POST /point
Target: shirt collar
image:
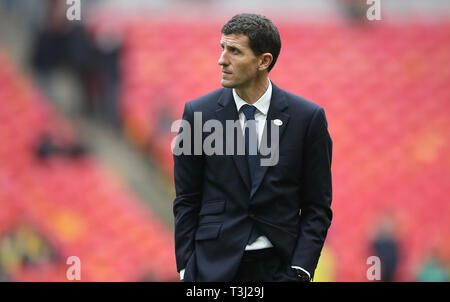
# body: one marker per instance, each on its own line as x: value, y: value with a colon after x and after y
x: 262, y: 104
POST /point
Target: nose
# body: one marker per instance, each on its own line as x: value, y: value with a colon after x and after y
x: 222, y: 60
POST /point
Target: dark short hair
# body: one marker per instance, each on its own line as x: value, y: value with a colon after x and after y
x: 261, y: 32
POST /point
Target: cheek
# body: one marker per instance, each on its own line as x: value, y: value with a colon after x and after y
x: 246, y: 70
x: 249, y: 72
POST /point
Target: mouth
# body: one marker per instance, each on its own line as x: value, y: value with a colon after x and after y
x: 226, y: 72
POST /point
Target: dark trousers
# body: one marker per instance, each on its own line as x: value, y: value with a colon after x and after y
x: 265, y: 266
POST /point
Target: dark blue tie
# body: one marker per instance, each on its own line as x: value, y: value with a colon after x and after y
x: 252, y: 159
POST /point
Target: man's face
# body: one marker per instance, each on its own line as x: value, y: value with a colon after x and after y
x: 239, y: 63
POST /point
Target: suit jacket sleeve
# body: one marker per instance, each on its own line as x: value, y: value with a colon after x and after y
x: 188, y: 177
x: 315, y: 193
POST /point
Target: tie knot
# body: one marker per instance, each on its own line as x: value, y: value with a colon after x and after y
x: 249, y: 111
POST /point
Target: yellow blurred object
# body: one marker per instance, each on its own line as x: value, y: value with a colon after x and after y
x: 9, y: 259
x: 69, y: 225
x: 23, y: 245
x: 326, y: 268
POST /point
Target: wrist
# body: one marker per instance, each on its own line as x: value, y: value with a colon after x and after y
x: 302, y: 275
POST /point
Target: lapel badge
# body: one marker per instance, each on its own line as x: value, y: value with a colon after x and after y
x: 278, y: 122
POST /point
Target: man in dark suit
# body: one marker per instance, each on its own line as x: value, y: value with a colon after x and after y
x: 237, y: 219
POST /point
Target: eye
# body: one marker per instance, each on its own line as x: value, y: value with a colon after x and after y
x: 234, y: 50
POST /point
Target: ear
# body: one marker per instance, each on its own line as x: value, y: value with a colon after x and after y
x: 264, y: 61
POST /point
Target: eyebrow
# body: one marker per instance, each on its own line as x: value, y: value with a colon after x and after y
x: 231, y: 47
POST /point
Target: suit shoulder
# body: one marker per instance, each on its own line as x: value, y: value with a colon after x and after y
x: 207, y: 101
x: 302, y: 104
x: 312, y: 113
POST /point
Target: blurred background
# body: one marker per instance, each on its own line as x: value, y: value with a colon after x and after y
x: 86, y: 107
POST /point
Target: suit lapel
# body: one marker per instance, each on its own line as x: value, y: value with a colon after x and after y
x: 227, y: 111
x: 278, y: 104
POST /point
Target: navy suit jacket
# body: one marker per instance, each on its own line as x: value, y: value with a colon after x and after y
x: 290, y: 202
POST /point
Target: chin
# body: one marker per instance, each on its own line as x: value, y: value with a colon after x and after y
x: 227, y: 84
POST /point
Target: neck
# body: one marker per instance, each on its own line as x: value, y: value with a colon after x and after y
x: 253, y: 92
